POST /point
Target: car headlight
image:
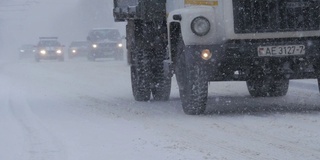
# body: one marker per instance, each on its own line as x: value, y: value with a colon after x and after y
x: 120, y: 45
x: 94, y: 46
x: 43, y: 52
x: 21, y: 50
x: 200, y: 26
x: 59, y: 51
x: 74, y: 51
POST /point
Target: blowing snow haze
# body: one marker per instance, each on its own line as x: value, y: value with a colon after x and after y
x: 23, y: 21
x: 86, y: 107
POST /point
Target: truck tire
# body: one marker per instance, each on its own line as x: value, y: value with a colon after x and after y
x: 193, y: 83
x: 319, y: 84
x: 268, y: 87
x: 161, y: 82
x: 257, y: 88
x: 279, y: 88
x: 141, y: 77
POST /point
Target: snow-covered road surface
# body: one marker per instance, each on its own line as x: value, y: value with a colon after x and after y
x: 79, y: 110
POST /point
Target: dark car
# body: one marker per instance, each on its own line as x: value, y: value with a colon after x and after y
x: 78, y: 48
x: 105, y: 43
x: 49, y: 48
x: 26, y: 50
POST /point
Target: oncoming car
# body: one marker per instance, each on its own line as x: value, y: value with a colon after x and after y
x: 78, y: 48
x: 26, y: 50
x: 105, y: 43
x: 49, y: 48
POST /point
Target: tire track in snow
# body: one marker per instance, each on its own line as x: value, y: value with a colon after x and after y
x: 266, y: 146
x: 236, y: 141
x: 43, y: 145
x: 11, y: 134
x: 272, y: 141
x: 187, y: 140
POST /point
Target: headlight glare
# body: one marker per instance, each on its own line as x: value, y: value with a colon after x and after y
x: 43, y: 52
x: 200, y: 26
x: 74, y: 51
x: 120, y: 45
x: 94, y: 45
x: 59, y: 51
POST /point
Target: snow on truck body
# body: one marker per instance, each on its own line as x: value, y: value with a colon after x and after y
x: 265, y: 43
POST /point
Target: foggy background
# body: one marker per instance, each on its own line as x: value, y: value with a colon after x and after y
x: 84, y: 110
x: 24, y: 21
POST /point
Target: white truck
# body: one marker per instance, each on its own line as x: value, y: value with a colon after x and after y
x: 263, y: 42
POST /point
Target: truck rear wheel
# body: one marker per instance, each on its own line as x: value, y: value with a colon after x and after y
x: 140, y: 77
x: 279, y: 88
x: 193, y: 84
x: 257, y: 88
x: 319, y: 84
x: 268, y: 87
x: 161, y: 84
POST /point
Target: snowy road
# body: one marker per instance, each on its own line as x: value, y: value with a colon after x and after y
x: 79, y: 110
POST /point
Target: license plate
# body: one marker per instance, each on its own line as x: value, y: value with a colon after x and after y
x: 286, y: 50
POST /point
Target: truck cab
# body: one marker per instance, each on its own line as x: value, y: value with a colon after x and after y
x: 265, y: 43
